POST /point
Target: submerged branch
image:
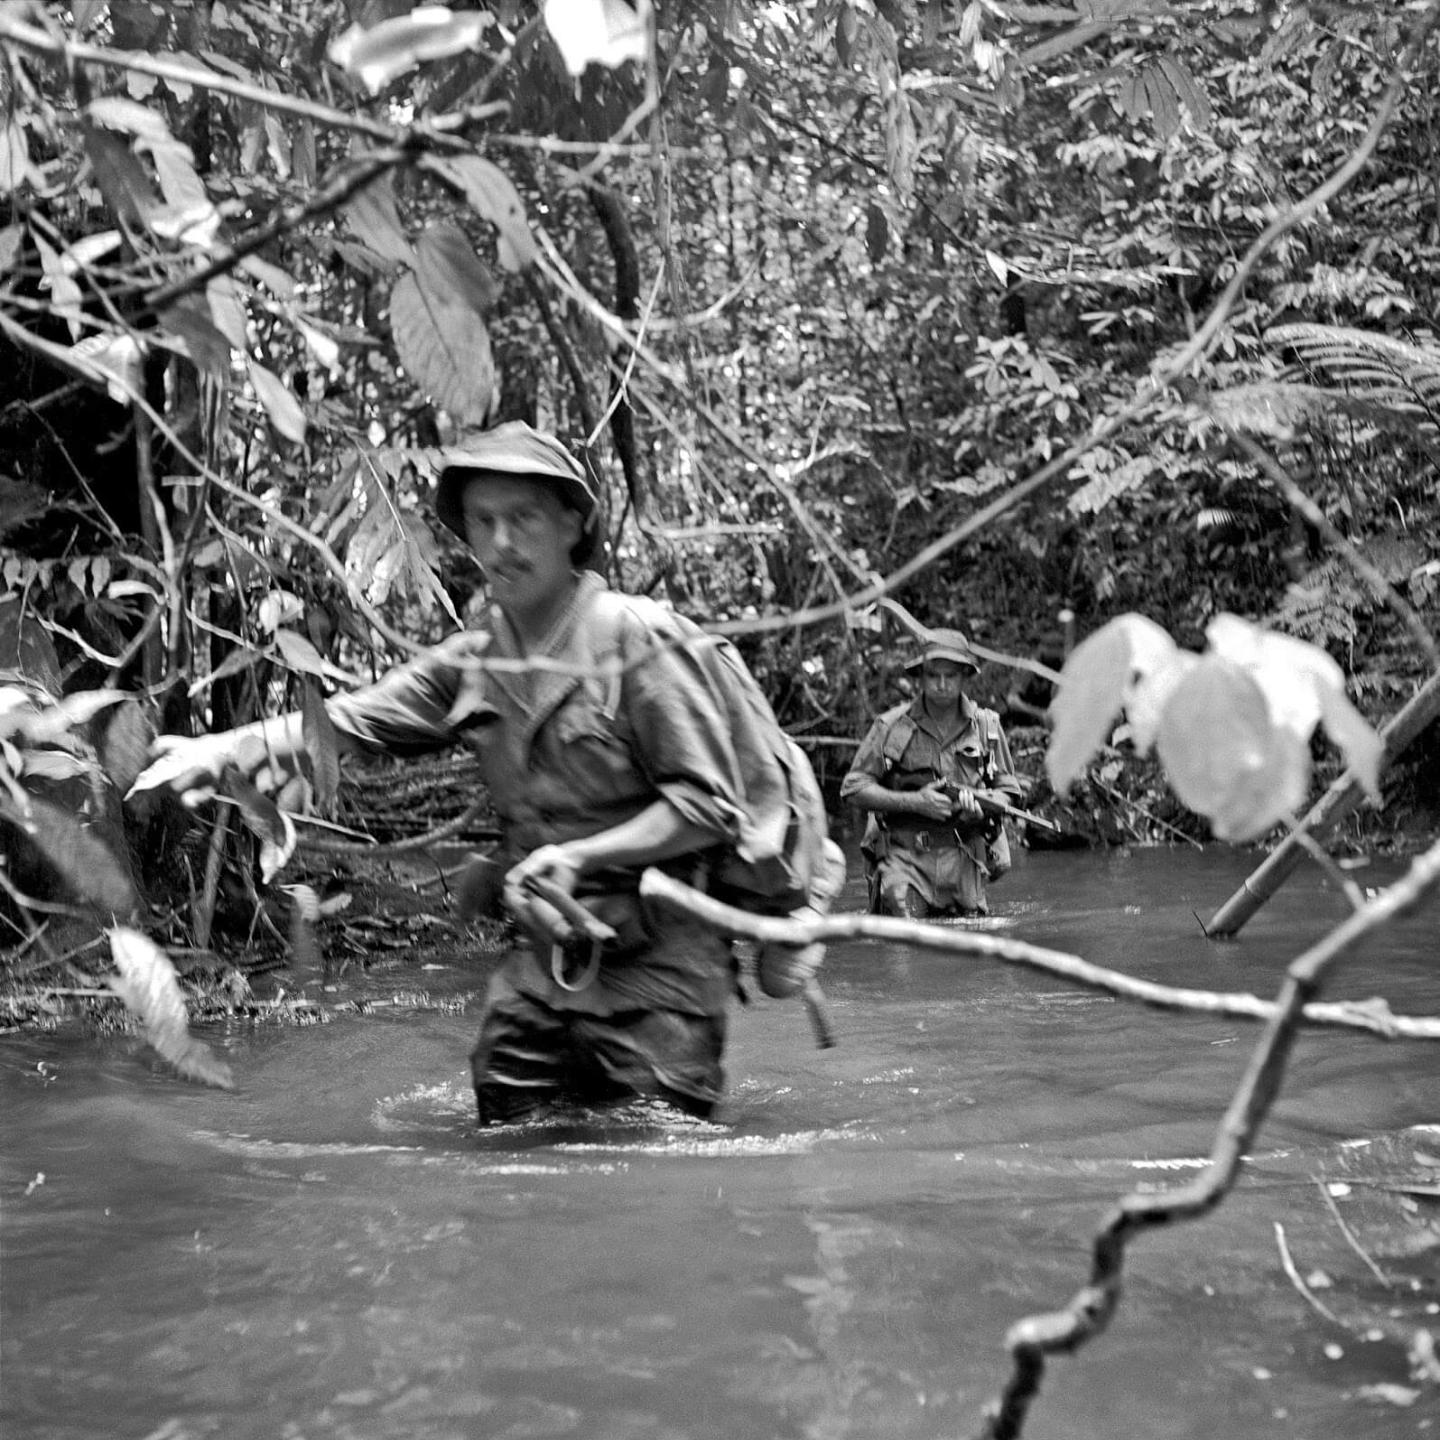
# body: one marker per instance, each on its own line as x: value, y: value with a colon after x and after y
x: 1032, y: 1340
x: 1090, y: 1310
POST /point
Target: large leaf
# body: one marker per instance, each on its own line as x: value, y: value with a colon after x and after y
x: 300, y: 654
x: 151, y: 992
x: 1107, y: 670
x: 114, y: 112
x: 53, y: 765
x: 322, y: 745
x: 1066, y: 41
x: 1303, y: 687
x: 605, y: 32
x: 279, y: 401
x: 1163, y: 101
x: 1190, y: 95
x: 66, y: 298
x: 493, y: 197
x: 375, y: 219
x: 125, y: 746
x: 120, y: 176
x: 15, y: 167
x: 118, y: 357
x: 54, y: 723
x: 1225, y: 756
x: 444, y: 346
x: 87, y: 866
x: 386, y: 51
x: 227, y: 310
x: 446, y: 264
x: 188, y: 320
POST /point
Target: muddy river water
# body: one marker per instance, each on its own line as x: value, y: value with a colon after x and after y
x: 331, y: 1250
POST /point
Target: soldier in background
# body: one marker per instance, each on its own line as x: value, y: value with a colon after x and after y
x: 922, y: 772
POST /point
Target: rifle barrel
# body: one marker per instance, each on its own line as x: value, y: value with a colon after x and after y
x: 1014, y: 812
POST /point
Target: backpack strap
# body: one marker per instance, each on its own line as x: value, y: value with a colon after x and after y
x: 898, y: 736
x: 603, y: 621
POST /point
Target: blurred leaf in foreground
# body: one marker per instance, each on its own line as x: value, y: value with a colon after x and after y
x: 151, y: 992
x: 1232, y: 727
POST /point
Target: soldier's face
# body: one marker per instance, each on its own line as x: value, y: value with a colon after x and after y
x: 522, y: 534
x: 941, y: 681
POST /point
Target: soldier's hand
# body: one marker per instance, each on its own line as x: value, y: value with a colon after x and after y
x: 190, y: 766
x: 550, y: 863
x: 965, y: 805
x: 933, y: 802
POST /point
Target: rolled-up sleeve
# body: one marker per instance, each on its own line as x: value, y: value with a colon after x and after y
x: 869, y: 762
x: 411, y: 709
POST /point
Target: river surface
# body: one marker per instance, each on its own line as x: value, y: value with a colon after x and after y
x: 331, y: 1250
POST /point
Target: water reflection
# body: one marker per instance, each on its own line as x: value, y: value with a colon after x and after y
x: 332, y: 1251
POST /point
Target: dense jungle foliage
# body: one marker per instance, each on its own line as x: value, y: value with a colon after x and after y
x: 1005, y: 312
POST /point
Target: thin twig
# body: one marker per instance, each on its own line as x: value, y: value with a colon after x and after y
x: 1322, y: 857
x: 1349, y: 1234
x: 1299, y: 1284
x: 214, y: 853
x: 1382, y: 589
x: 1154, y: 819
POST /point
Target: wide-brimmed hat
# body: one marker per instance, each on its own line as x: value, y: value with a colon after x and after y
x: 518, y: 449
x: 945, y: 645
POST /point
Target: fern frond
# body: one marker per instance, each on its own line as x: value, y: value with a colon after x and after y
x: 1378, y: 368
x: 1267, y: 407
x: 1217, y: 517
x: 1321, y: 607
x: 1395, y: 557
x: 1282, y: 409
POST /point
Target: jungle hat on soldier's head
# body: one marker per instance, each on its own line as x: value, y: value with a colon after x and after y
x: 517, y: 449
x: 945, y: 645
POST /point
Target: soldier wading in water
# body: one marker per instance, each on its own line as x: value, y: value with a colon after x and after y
x: 921, y: 772
x: 624, y: 742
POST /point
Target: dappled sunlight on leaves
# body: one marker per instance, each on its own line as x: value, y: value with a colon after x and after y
x: 390, y: 49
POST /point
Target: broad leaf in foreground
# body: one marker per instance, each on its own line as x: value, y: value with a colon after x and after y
x: 1231, y: 727
x: 148, y: 986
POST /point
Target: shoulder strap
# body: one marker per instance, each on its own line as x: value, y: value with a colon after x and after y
x: 900, y: 731
x: 604, y: 618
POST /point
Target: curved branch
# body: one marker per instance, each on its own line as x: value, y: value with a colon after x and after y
x: 1064, y: 1331
x: 1382, y: 589
x: 1206, y: 337
x: 1370, y: 1016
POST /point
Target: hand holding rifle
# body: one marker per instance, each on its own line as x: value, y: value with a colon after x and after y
x: 990, y: 805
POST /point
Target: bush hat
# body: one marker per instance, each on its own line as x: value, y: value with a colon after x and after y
x: 946, y: 645
x: 513, y: 448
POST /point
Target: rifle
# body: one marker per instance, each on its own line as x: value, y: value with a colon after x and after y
x: 989, y: 805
